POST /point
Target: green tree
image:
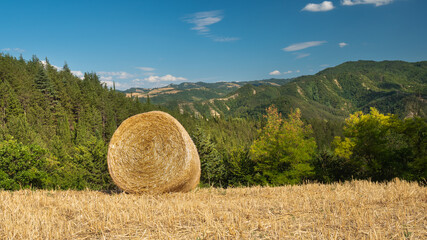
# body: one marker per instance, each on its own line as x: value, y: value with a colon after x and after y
x: 383, y: 147
x: 212, y: 164
x: 43, y: 82
x: 92, y: 158
x: 239, y: 166
x: 22, y: 166
x: 10, y: 105
x: 284, y: 150
x: 416, y: 131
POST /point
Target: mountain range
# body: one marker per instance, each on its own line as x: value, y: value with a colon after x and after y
x: 396, y: 87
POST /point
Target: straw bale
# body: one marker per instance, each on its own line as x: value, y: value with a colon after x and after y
x: 152, y: 152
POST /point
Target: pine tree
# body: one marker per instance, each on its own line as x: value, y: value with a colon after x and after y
x: 65, y: 68
x: 212, y: 165
x: 43, y: 83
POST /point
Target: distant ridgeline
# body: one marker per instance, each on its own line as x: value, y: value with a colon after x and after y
x: 194, y: 92
x: 390, y: 86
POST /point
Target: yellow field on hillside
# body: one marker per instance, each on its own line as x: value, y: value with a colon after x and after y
x: 353, y: 210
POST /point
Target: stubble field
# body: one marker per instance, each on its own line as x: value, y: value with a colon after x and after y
x: 352, y: 210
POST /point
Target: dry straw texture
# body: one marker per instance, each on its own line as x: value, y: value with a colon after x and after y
x: 152, y: 152
x: 355, y: 210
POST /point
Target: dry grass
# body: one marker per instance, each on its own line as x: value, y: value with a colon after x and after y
x: 355, y: 210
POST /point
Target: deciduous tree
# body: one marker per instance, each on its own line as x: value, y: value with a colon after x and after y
x: 284, y: 149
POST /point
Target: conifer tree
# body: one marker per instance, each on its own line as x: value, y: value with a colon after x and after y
x: 212, y: 165
x: 42, y: 82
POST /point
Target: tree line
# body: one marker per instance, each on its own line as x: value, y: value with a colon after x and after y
x: 373, y: 146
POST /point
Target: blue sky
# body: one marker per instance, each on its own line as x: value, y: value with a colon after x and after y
x: 155, y: 43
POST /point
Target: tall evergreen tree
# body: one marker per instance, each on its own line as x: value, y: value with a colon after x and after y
x: 212, y: 164
x: 42, y: 82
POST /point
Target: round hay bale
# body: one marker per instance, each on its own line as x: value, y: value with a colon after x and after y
x: 152, y: 152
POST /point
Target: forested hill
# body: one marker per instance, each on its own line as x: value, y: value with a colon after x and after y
x: 391, y: 86
x: 195, y: 91
x: 53, y: 115
x: 36, y: 94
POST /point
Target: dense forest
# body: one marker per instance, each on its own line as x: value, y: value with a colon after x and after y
x: 55, y: 127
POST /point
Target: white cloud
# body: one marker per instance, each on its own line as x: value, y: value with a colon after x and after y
x: 275, y: 73
x: 146, y: 69
x: 297, y: 71
x: 342, y: 44
x: 156, y: 79
x: 321, y: 7
x: 303, y: 45
x: 119, y: 75
x: 78, y: 74
x: 357, y: 2
x: 202, y: 20
x: 302, y: 55
x: 288, y: 72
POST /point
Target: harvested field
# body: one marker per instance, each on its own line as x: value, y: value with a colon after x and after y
x: 353, y: 210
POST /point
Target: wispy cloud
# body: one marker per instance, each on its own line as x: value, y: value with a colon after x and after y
x: 146, y: 69
x: 203, y: 20
x: 275, y: 73
x: 321, y: 7
x: 342, y: 44
x: 119, y: 75
x: 303, y: 45
x: 19, y: 50
x: 357, y: 2
x: 156, y: 79
x: 302, y: 55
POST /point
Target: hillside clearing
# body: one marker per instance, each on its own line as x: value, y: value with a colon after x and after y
x: 353, y: 210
